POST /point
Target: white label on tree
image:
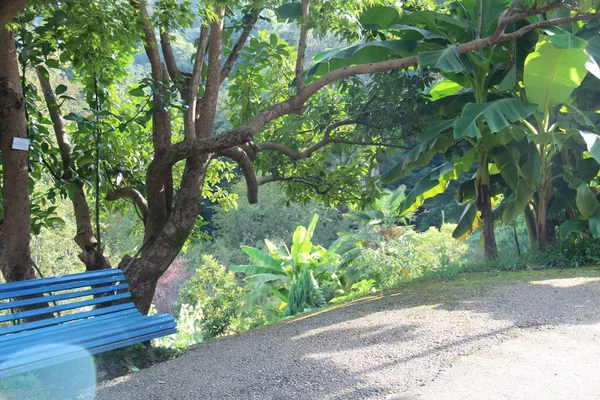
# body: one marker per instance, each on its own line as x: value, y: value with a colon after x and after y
x: 20, y: 144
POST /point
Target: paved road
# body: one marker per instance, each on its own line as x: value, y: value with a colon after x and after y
x: 505, y: 338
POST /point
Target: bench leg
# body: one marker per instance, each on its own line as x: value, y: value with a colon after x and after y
x: 148, y: 345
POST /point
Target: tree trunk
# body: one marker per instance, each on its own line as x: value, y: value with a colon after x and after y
x: 484, y: 205
x: 15, y: 260
x: 531, y: 225
x: 143, y: 273
x: 545, y: 231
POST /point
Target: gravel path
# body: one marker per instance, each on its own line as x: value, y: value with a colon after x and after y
x: 417, y: 343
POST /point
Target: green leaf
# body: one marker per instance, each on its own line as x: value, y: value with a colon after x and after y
x: 490, y: 10
x: 255, y: 296
x: 137, y: 92
x: 594, y: 223
x: 509, y: 81
x: 435, y: 128
x: 289, y: 11
x: 592, y: 141
x: 262, y: 257
x: 446, y: 60
x: 251, y: 269
x: 52, y: 63
x: 261, y: 278
x: 498, y: 114
x: 380, y: 17
x: 436, y: 182
x: 516, y: 203
x: 467, y: 223
x: 565, y: 40
x: 551, y: 74
x: 282, y: 294
x: 586, y: 201
x: 418, y: 157
x: 60, y: 89
x: 312, y: 226
x: 361, y: 54
x: 442, y: 89
x: 593, y: 48
x: 571, y: 226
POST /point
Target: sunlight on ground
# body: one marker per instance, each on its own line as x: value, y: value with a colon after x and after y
x: 566, y: 282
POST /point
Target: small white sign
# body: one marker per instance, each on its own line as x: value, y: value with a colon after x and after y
x: 20, y: 144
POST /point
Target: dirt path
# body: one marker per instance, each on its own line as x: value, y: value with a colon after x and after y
x: 513, y: 335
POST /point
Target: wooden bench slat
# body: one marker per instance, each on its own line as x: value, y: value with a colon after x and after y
x: 50, y: 330
x: 65, y: 318
x: 85, y: 276
x: 64, y: 296
x: 35, y: 354
x: 16, y: 293
x: 73, y: 356
x: 63, y: 307
x: 81, y: 335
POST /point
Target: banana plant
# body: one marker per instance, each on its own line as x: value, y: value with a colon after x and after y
x: 487, y: 75
x: 558, y: 65
x: 272, y: 271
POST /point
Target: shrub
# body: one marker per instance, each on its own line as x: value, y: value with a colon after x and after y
x: 272, y: 273
x: 394, y: 255
x: 214, y: 291
x: 304, y: 294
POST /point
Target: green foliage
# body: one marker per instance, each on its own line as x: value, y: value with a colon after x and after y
x: 398, y: 254
x: 304, y: 294
x: 214, y: 295
x: 273, y: 218
x: 273, y: 271
x: 552, y: 73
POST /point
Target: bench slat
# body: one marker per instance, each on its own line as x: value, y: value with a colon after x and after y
x: 17, y: 292
x: 43, y: 282
x: 54, y: 352
x: 51, y: 330
x: 64, y: 296
x: 64, y: 307
x: 73, y: 356
x: 65, y: 318
x: 81, y: 336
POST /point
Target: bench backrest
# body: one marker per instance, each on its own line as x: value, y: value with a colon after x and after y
x: 51, y: 301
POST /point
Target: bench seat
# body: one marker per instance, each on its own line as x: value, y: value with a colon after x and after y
x: 51, y: 320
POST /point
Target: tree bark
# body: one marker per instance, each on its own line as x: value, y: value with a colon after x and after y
x: 484, y: 205
x: 545, y: 230
x: 531, y: 226
x: 15, y: 256
x: 143, y: 273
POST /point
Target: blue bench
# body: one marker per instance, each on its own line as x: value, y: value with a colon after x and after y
x: 92, y: 311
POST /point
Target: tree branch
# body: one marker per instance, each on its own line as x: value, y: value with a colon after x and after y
x: 167, y: 50
x: 239, y: 45
x: 150, y: 42
x: 132, y: 194
x: 302, y: 48
x: 208, y: 104
x: 62, y: 139
x: 296, y: 179
x: 192, y: 99
x: 239, y: 156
